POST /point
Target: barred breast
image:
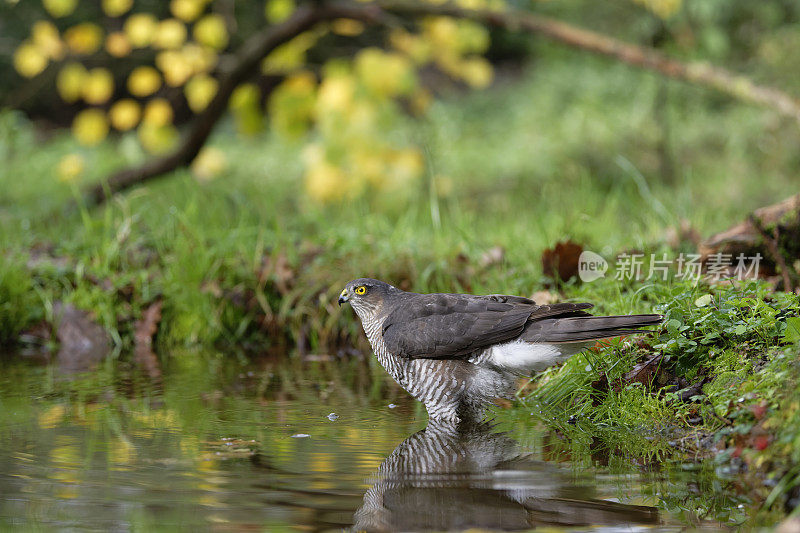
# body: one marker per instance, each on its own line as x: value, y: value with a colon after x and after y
x: 450, y: 389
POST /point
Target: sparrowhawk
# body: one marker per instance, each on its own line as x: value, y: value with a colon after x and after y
x: 454, y: 478
x: 458, y: 352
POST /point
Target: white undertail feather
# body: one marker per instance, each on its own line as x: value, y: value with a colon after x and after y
x: 526, y: 357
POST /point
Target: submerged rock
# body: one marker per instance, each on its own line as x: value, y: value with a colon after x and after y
x: 83, y: 343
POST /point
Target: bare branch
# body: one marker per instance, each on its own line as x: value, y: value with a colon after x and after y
x: 242, y: 66
x: 720, y: 79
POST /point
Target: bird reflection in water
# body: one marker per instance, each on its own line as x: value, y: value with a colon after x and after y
x: 457, y: 477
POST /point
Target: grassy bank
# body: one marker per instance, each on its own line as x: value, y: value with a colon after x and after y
x: 719, y: 382
x: 556, y: 161
x: 246, y: 261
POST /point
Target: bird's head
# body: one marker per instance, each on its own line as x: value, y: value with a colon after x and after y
x: 367, y: 296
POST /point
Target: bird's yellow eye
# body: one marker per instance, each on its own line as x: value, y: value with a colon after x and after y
x: 361, y: 290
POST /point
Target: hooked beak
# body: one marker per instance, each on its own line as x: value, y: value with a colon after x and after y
x: 343, y: 297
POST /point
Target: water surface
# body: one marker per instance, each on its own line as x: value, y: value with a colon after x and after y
x: 217, y: 443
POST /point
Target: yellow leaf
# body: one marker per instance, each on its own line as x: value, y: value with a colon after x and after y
x: 157, y: 112
x: 477, y: 72
x: 90, y: 127
x: 115, y: 8
x: 472, y: 4
x: 125, y: 114
x: 187, y: 10
x: 441, y: 31
x: 325, y: 182
x: 249, y: 120
x: 245, y: 103
x: 302, y: 83
x: 385, y: 73
x: 98, y: 86
x: 245, y: 95
x: 46, y: 38
x: 70, y: 81
x: 140, y: 29
x: 416, y: 48
x: 663, y: 8
x: 369, y: 165
x: 60, y: 8
x: 199, y: 91
x: 283, y: 59
x: 199, y: 58
x: 472, y: 38
x: 347, y: 27
x: 289, y: 56
x: 336, y: 93
x: 70, y: 169
x: 291, y: 104
x: 157, y: 139
x: 144, y: 81
x: 84, y: 38
x: 208, y: 164
x: 279, y: 10
x: 210, y: 31
x: 29, y: 61
x: 175, y: 67
x: 170, y: 34
x: 117, y: 44
x: 405, y: 165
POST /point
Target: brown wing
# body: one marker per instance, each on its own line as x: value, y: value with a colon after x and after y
x: 453, y: 326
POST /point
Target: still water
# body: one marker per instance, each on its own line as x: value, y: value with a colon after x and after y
x: 219, y: 444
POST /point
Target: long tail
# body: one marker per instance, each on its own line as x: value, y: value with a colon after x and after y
x: 587, y: 328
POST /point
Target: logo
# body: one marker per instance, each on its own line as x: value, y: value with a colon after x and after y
x: 591, y: 266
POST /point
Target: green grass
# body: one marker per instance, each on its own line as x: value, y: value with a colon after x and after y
x: 557, y: 160
x: 741, y: 343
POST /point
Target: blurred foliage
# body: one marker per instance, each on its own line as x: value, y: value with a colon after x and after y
x: 733, y: 348
x: 129, y: 66
x: 19, y: 302
x: 142, y: 68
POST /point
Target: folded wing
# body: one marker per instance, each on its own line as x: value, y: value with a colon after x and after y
x: 454, y: 326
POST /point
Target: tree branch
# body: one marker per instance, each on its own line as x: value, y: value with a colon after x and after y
x: 384, y: 12
x: 242, y: 66
x: 720, y: 79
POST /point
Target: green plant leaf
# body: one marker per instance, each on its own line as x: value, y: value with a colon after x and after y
x: 792, y: 333
x: 703, y: 300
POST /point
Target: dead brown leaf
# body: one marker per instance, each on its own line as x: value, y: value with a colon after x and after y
x: 561, y: 261
x: 144, y: 330
x: 645, y: 371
